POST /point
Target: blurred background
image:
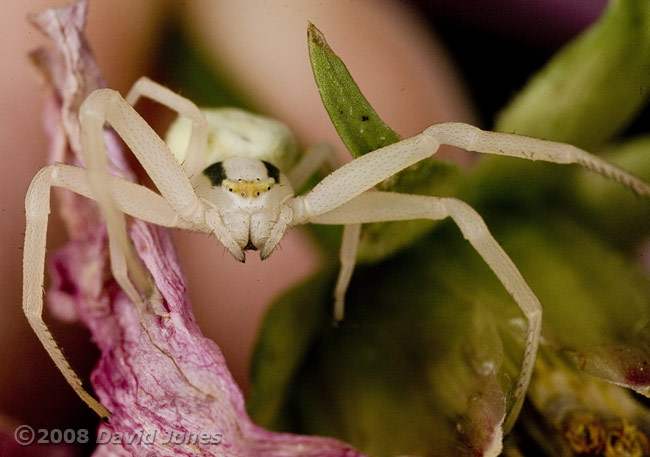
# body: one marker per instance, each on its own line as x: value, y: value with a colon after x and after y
x: 417, y: 63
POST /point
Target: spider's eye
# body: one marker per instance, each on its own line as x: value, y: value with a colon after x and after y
x: 257, y: 194
x: 230, y: 189
x: 268, y: 188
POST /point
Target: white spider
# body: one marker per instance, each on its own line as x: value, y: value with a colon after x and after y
x: 226, y: 177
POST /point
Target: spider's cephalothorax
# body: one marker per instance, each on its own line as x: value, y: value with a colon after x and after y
x: 249, y: 194
x: 235, y: 172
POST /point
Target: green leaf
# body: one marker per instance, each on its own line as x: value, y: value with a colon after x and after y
x: 431, y: 340
x: 301, y: 313
x: 594, y: 87
x: 362, y: 131
x: 355, y: 120
x: 596, y: 301
x: 591, y: 293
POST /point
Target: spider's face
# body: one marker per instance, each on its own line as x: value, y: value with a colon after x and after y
x: 248, y: 194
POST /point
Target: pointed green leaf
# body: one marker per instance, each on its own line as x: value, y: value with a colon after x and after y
x: 355, y: 120
x: 362, y: 131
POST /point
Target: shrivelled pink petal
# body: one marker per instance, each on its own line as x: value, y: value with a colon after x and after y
x: 168, y: 387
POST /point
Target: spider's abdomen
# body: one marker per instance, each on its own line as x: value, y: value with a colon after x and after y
x: 235, y: 133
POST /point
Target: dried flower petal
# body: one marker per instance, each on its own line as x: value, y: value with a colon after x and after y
x: 168, y: 387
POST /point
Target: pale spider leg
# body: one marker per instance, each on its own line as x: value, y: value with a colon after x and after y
x: 388, y: 206
x: 311, y: 161
x: 474, y: 139
x: 122, y: 254
x: 135, y: 200
x: 130, y: 198
x: 348, y: 255
x: 37, y: 209
x: 363, y: 173
x: 197, y: 143
x: 106, y: 105
x: 284, y: 220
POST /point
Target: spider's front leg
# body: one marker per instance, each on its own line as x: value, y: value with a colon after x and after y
x: 474, y: 139
x: 130, y: 198
x: 193, y: 157
x: 346, y: 183
x: 106, y: 105
x: 387, y: 206
x: 37, y: 209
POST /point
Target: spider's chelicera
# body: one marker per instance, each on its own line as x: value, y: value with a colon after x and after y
x: 233, y: 174
x: 254, y: 190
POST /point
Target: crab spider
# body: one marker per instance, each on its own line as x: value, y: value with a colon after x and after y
x: 222, y: 172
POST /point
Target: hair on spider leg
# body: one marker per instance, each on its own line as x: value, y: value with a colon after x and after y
x: 279, y: 246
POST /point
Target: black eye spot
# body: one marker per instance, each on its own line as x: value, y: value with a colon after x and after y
x: 230, y: 189
x: 272, y: 171
x: 268, y: 188
x: 215, y: 173
x: 257, y: 194
x: 257, y: 179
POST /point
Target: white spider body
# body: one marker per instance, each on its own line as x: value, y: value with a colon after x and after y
x: 222, y: 176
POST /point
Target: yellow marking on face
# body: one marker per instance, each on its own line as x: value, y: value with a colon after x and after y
x: 249, y: 189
